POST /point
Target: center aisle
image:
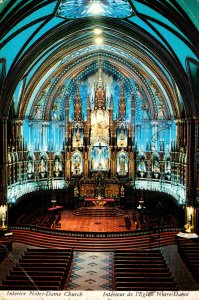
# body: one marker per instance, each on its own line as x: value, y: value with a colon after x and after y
x: 91, y: 271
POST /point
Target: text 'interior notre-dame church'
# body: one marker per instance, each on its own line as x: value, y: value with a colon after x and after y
x: 99, y: 146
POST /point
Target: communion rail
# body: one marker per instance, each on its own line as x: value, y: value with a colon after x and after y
x: 94, y: 241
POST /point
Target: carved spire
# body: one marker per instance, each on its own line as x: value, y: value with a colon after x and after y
x: 78, y: 105
x: 122, y: 104
x: 99, y: 81
x: 100, y: 93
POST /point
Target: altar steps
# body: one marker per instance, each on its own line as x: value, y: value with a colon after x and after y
x: 99, y: 212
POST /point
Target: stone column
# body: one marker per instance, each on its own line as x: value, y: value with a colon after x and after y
x: 3, y: 173
x: 43, y: 134
x: 190, y: 174
x: 67, y: 117
x: 185, y: 134
x: 177, y: 134
x: 30, y: 137
x: 154, y: 139
x: 182, y: 133
x: 133, y: 119
x: 197, y: 153
x: 18, y: 124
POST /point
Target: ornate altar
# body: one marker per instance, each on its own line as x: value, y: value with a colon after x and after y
x: 112, y: 190
x: 87, y: 189
x: 98, y: 155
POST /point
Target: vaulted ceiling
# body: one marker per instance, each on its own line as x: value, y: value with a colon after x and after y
x: 153, y: 44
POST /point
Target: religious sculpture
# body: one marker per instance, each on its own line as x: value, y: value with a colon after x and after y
x: 122, y: 191
x: 30, y: 167
x: 76, y: 168
x: 76, y: 163
x: 42, y: 167
x: 57, y: 167
x: 76, y: 192
x: 122, y: 135
x: 122, y: 158
x: 77, y: 135
x: 141, y: 165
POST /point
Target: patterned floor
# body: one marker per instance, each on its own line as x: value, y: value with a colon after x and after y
x: 91, y: 271
x: 94, y: 224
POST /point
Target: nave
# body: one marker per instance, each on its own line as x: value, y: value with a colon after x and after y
x: 99, y: 144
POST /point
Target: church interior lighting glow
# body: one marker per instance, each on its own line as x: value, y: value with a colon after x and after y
x: 98, y: 40
x: 97, y: 31
x: 95, y: 8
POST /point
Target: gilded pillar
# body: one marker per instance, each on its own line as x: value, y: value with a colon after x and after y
x: 131, y: 166
x: 113, y: 163
x: 85, y: 164
x: 68, y: 165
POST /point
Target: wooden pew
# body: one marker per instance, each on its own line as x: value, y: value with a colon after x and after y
x: 41, y: 269
x: 142, y: 270
x: 143, y: 274
x: 37, y: 273
x: 45, y: 259
x: 145, y: 279
x: 35, y: 278
x: 21, y: 287
x: 158, y: 284
x: 143, y: 260
x: 28, y: 283
x: 139, y: 265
